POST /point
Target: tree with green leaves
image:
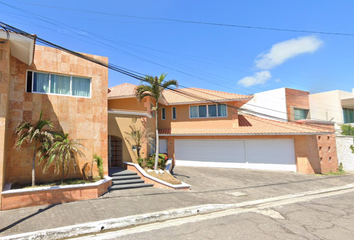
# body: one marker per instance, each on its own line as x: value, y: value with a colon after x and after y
x: 153, y: 87
x: 61, y: 154
x: 34, y: 134
x: 138, y: 136
x: 348, y: 130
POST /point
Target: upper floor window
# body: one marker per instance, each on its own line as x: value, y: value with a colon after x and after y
x: 202, y: 111
x: 348, y: 115
x: 174, y: 113
x: 58, y: 84
x: 163, y: 113
x: 300, y: 113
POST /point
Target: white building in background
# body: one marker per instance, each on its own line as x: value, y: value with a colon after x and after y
x: 336, y: 106
x: 269, y: 104
x: 282, y: 104
x: 285, y: 104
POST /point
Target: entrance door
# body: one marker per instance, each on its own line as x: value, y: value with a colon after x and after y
x: 115, y: 152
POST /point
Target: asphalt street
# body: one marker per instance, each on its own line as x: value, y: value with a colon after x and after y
x: 329, y: 217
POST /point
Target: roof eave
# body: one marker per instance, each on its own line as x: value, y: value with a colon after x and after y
x: 245, y: 134
x: 22, y: 47
x: 128, y: 113
x: 210, y: 101
x: 121, y: 97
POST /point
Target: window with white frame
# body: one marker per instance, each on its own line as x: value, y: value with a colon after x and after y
x: 174, y: 113
x: 163, y: 113
x: 38, y: 82
x: 203, y: 111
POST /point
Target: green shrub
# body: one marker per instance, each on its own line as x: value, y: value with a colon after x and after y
x: 99, y: 162
x: 142, y: 162
x: 150, y: 161
x: 162, y: 160
x: 340, y: 168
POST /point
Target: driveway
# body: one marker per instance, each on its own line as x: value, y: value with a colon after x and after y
x: 209, y: 186
x: 255, y: 183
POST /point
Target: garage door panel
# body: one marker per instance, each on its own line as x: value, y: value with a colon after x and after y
x: 210, y: 150
x: 270, y: 154
x: 277, y: 151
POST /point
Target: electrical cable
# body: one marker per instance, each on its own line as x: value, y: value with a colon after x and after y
x: 144, y: 59
x: 127, y: 72
x: 200, y: 22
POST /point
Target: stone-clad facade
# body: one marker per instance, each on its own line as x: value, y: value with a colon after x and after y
x: 84, y: 118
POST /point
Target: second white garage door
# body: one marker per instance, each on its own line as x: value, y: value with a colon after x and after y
x: 270, y: 154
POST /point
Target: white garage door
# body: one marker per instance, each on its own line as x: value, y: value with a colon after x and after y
x: 270, y: 154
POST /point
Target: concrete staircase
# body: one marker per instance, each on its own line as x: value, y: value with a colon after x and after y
x: 125, y: 179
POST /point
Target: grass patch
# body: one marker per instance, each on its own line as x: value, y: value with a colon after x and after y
x: 335, y: 173
x: 70, y: 181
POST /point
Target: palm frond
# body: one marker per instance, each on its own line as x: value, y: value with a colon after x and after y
x: 62, y: 153
x: 169, y: 83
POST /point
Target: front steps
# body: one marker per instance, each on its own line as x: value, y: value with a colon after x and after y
x: 125, y: 179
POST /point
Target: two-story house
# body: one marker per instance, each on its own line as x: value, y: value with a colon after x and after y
x: 70, y: 91
x: 199, y: 127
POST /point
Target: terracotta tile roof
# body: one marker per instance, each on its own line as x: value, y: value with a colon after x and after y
x: 179, y: 96
x: 251, y: 125
x: 165, y: 131
x: 195, y: 95
x: 123, y: 90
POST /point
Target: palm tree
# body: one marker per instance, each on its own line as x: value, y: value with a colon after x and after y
x: 27, y: 132
x: 154, y: 89
x: 62, y: 152
x: 138, y: 136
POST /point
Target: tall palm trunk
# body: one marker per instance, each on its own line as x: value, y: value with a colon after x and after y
x: 34, y: 165
x: 157, y: 136
x: 63, y: 170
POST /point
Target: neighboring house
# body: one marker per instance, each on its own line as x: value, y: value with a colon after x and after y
x: 283, y: 104
x: 338, y: 107
x: 197, y: 132
x: 320, y: 109
x: 71, y: 92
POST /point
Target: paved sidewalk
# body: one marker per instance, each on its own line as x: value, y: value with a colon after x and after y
x: 209, y: 186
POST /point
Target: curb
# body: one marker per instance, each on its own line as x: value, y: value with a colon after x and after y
x: 135, y: 220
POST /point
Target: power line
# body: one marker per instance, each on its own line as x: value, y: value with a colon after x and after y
x: 47, y: 43
x: 114, y: 67
x: 208, y: 75
x: 199, y: 22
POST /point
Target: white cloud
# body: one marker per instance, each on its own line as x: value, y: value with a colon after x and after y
x: 258, y: 78
x: 283, y: 51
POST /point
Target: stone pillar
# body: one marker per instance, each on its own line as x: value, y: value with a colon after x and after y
x: 4, y: 107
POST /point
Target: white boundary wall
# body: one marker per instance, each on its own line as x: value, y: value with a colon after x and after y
x: 345, y: 155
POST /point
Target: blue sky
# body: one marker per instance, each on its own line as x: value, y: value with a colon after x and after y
x: 136, y: 35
